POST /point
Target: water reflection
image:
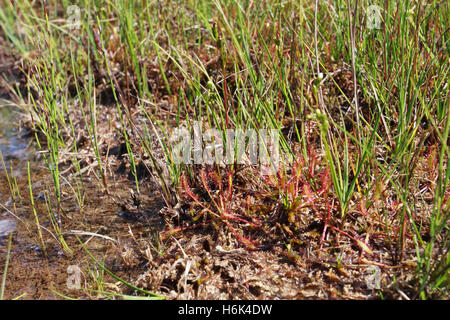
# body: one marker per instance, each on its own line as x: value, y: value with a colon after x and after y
x: 12, y: 146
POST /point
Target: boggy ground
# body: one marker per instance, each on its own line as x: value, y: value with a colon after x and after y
x: 195, y: 264
x: 162, y: 251
x: 95, y: 96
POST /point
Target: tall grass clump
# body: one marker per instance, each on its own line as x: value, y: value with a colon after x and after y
x: 361, y: 112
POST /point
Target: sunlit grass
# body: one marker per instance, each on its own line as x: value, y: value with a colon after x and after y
x: 376, y: 100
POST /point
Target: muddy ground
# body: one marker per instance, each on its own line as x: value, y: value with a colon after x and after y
x: 160, y: 249
x: 197, y: 263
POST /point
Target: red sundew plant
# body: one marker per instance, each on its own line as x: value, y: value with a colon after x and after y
x: 222, y: 201
x: 301, y: 186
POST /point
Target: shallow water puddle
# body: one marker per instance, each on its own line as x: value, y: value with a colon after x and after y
x: 27, y: 271
x: 12, y: 146
x: 31, y: 273
x: 7, y: 226
x: 14, y: 150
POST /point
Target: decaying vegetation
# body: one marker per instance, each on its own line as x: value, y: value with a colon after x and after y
x: 363, y: 118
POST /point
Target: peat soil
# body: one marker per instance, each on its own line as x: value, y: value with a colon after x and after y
x: 135, y: 243
x: 136, y: 240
